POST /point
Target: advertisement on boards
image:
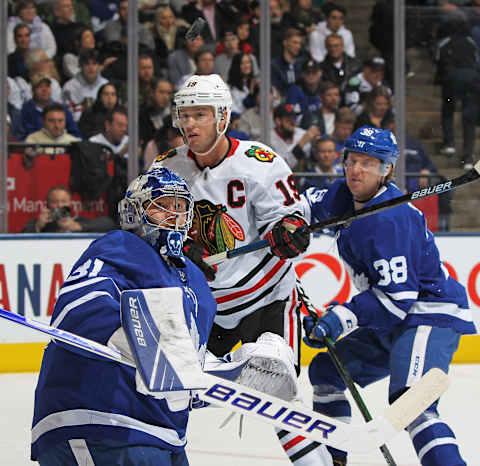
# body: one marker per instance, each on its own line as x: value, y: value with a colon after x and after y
x: 33, y: 270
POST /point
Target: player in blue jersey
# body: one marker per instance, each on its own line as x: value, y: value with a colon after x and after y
x: 89, y: 410
x: 409, y: 313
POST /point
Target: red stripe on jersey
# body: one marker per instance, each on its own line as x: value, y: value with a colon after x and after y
x: 290, y: 321
x: 265, y: 279
x: 233, y: 147
x: 295, y: 441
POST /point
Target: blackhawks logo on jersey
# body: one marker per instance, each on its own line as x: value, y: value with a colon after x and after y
x: 165, y: 155
x: 213, y: 227
x: 260, y: 153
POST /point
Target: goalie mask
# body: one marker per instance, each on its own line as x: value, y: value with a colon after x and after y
x: 158, y: 207
x: 200, y: 91
x: 378, y: 143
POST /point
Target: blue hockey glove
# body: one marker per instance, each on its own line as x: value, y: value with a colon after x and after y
x: 336, y: 321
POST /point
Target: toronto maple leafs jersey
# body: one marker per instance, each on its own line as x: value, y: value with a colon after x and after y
x: 394, y: 263
x: 84, y: 396
x: 237, y: 202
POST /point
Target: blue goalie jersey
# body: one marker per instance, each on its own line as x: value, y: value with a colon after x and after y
x: 394, y: 263
x: 88, y: 397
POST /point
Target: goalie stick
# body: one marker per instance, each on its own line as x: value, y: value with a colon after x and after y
x: 344, y: 374
x: 277, y: 412
x: 439, y: 188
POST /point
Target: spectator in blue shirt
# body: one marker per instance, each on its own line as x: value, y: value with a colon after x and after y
x: 287, y: 68
x: 32, y: 110
x: 305, y: 95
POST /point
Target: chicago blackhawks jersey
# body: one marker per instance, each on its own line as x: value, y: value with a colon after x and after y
x: 237, y: 202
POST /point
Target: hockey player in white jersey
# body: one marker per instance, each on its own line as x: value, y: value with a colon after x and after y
x: 409, y: 313
x: 243, y: 191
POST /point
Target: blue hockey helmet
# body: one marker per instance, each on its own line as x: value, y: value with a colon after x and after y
x: 378, y: 143
x: 165, y: 235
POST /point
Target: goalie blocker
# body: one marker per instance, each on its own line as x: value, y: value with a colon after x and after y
x: 251, y: 402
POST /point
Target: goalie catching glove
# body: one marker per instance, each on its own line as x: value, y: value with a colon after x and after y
x: 269, y: 368
x: 289, y: 237
x: 195, y: 252
x: 335, y: 322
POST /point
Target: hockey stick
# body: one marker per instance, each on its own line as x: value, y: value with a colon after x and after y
x: 344, y: 374
x: 282, y: 414
x: 470, y: 176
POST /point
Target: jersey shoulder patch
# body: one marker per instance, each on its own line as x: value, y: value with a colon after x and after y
x: 170, y: 153
x: 260, y: 153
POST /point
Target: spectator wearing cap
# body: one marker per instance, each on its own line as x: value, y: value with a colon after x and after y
x: 334, y: 24
x: 168, y: 33
x: 16, y: 59
x: 324, y: 117
x: 324, y: 161
x: 181, y: 62
x: 287, y: 139
x: 242, y: 82
x: 343, y: 128
x: 32, y: 110
x: 41, y: 35
x: 37, y: 61
x: 81, y: 91
x: 53, y: 129
x: 226, y: 50
x: 287, y: 68
x: 338, y: 67
x: 360, y: 85
x: 304, y: 96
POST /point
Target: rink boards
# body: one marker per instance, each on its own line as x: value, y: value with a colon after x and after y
x: 33, y: 268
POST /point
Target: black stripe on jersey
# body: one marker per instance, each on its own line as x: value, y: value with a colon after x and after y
x: 243, y: 306
x: 304, y: 451
x: 282, y: 433
x: 261, y: 230
x: 250, y: 275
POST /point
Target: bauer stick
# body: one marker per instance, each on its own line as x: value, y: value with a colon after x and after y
x: 275, y: 411
x: 344, y: 374
x: 471, y: 175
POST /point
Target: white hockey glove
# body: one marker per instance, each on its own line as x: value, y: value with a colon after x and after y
x: 269, y: 368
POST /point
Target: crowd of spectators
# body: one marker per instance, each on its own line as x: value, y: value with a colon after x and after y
x: 67, y: 74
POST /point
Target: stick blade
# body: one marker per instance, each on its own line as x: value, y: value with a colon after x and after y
x: 216, y: 258
x: 417, y: 399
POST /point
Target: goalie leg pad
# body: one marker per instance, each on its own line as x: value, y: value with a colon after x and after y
x: 156, y: 330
